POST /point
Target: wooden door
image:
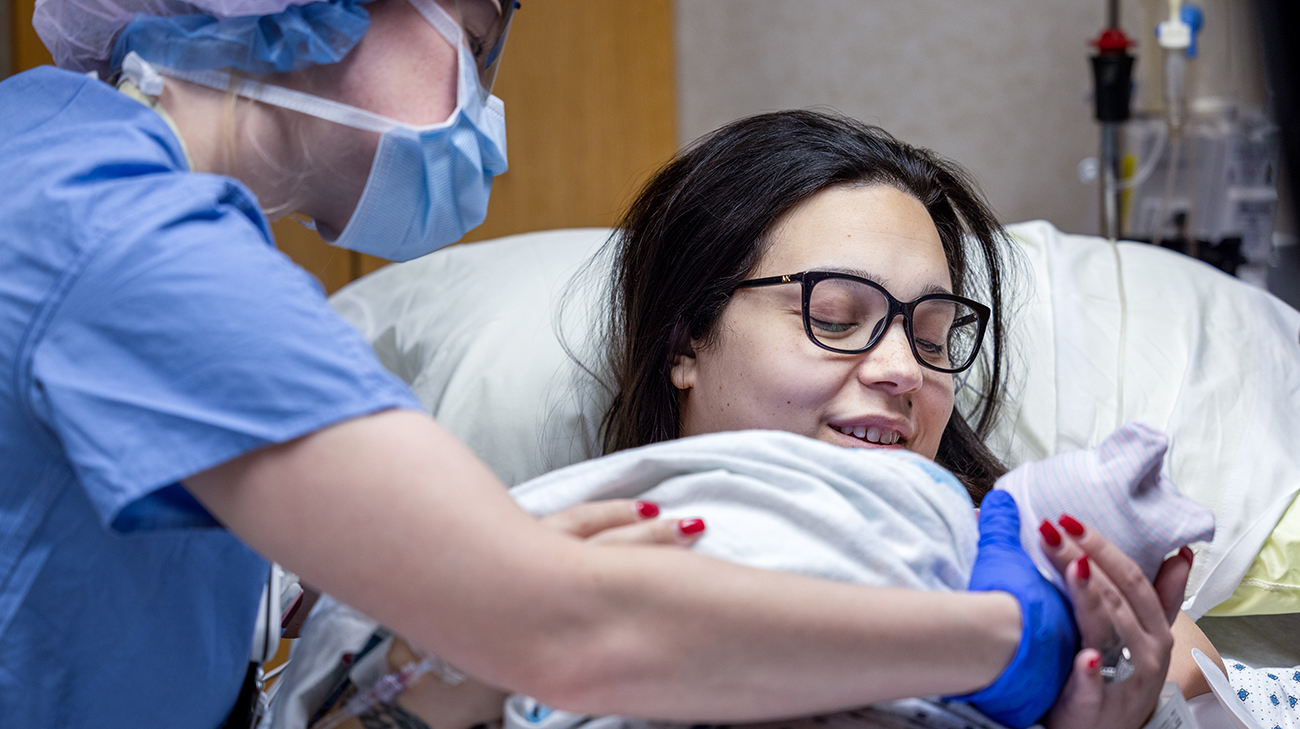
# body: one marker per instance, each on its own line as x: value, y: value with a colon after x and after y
x: 590, y: 109
x: 28, y: 51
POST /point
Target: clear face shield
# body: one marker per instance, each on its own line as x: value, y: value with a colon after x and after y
x: 429, y: 183
x: 486, y: 24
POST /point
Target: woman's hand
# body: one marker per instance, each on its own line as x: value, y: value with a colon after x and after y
x: 623, y: 521
x: 1115, y: 607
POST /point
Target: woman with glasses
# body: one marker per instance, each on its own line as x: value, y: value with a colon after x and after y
x: 830, y: 250
x: 804, y: 272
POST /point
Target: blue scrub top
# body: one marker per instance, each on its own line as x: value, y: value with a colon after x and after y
x: 149, y: 330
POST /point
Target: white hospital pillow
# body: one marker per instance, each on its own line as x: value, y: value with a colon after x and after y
x: 1210, y: 360
x: 1213, y: 362
x: 473, y: 329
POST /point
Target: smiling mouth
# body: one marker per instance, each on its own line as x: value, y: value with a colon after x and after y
x: 874, y: 435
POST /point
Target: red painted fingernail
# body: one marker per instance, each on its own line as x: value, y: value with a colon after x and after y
x: 1094, y: 663
x: 646, y: 509
x: 1084, y: 570
x: 1050, y: 535
x: 690, y: 527
x: 1186, y: 553
x: 1072, y: 527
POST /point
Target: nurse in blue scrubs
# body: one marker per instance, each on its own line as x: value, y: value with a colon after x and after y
x: 178, y: 403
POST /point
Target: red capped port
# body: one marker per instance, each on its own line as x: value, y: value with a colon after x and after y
x: 1111, y: 41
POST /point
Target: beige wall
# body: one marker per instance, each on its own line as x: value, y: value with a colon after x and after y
x: 1000, y: 86
x: 26, y: 48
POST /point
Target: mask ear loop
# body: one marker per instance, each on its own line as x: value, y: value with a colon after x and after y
x: 284, y: 98
x: 447, y: 26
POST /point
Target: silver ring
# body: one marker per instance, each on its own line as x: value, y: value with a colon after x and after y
x: 1116, y: 665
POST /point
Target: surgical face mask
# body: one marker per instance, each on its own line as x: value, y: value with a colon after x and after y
x: 428, y: 185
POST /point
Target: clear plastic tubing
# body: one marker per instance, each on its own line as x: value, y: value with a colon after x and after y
x: 1175, y: 104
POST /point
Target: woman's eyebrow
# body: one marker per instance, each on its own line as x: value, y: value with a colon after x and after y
x: 935, y: 289
x: 875, y: 279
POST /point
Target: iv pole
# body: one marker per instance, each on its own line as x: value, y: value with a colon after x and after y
x: 1112, y: 72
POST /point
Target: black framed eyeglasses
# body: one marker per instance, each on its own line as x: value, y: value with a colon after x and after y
x: 848, y: 314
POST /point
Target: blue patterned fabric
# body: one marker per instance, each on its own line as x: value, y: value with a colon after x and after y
x: 1270, y: 695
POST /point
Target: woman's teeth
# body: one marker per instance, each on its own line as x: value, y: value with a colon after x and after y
x: 872, y: 435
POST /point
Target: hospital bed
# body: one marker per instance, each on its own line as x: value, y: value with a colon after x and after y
x: 501, y: 341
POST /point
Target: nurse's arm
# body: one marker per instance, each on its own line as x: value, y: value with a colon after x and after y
x: 393, y: 515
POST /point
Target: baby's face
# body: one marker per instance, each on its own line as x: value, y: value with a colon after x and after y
x: 760, y: 370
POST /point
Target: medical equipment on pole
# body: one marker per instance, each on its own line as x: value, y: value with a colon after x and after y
x: 1177, y: 38
x: 1112, y: 72
x: 1195, y: 167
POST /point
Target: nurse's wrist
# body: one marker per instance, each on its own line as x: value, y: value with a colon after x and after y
x: 1000, y: 629
x: 981, y: 632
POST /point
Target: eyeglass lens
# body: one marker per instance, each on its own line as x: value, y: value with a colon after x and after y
x: 848, y: 315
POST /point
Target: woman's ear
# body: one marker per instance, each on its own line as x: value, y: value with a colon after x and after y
x: 683, y: 370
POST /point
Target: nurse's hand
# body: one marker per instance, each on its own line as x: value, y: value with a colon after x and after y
x: 1114, y: 605
x: 624, y: 521
x: 1025, y: 690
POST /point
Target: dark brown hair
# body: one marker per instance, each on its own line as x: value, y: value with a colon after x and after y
x: 700, y: 225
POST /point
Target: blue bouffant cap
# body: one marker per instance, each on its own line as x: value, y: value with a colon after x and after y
x: 299, y: 36
x: 254, y: 36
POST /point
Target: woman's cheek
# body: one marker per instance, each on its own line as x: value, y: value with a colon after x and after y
x: 934, y: 405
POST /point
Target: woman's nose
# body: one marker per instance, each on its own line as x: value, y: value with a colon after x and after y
x: 891, y: 364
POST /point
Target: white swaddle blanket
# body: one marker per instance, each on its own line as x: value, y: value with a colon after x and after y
x: 779, y: 501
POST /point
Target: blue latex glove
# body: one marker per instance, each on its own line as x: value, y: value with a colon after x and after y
x: 1049, y: 640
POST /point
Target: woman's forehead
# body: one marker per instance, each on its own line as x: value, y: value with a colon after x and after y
x: 875, y: 230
